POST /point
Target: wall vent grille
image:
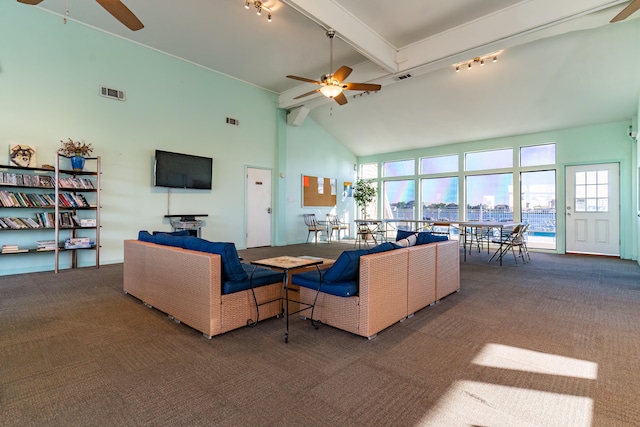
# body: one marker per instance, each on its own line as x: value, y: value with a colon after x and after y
x: 403, y: 77
x: 108, y: 92
x: 234, y: 122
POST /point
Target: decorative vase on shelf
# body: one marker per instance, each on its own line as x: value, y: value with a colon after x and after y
x: 77, y: 163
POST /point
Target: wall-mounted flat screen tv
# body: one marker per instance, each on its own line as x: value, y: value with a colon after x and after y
x: 175, y: 170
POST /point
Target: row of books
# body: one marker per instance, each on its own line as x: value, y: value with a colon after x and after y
x: 46, y: 220
x: 50, y: 245
x: 33, y: 200
x: 44, y: 181
x: 70, y: 182
x: 26, y: 180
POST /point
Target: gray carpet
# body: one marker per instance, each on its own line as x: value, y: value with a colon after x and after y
x: 551, y: 343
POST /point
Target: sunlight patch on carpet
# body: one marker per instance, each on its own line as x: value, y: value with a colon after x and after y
x: 507, y: 357
x: 474, y: 403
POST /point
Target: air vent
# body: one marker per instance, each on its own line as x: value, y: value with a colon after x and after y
x: 108, y: 92
x: 234, y: 122
x: 402, y: 77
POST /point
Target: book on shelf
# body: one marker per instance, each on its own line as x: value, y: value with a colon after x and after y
x: 46, y: 245
x: 78, y: 243
x: 12, y: 249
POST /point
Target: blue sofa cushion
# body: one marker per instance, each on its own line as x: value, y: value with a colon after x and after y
x: 256, y: 277
x: 346, y: 267
x: 426, y: 237
x: 314, y: 278
x: 173, y: 233
x: 382, y: 247
x: 231, y: 265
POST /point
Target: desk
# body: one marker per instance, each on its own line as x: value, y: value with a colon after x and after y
x: 369, y: 227
x: 287, y: 264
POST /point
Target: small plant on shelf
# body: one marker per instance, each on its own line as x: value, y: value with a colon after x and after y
x: 71, y: 148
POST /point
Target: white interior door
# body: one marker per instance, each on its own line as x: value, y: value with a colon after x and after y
x: 258, y: 207
x: 593, y: 209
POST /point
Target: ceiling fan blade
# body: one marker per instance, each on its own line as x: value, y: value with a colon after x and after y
x: 340, y: 99
x: 122, y: 14
x: 627, y: 11
x: 31, y: 2
x: 343, y: 72
x: 361, y: 86
x: 304, y: 79
x: 307, y: 94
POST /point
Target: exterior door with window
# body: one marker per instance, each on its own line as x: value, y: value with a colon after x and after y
x: 593, y: 209
x: 258, y: 207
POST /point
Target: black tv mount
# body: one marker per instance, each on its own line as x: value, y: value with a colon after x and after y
x: 186, y: 217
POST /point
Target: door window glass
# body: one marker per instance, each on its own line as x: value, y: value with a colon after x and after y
x: 592, y: 191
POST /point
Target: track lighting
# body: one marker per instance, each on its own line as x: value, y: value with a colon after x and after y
x: 259, y: 8
x: 478, y: 60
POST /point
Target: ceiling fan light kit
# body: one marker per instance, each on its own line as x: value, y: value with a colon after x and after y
x: 332, y: 85
x: 259, y: 8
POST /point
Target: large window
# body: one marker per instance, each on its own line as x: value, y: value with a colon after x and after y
x: 369, y: 171
x: 490, y: 197
x: 483, y: 160
x: 537, y: 155
x: 399, y: 168
x: 538, y: 207
x: 440, y: 198
x: 399, y: 199
x: 440, y: 164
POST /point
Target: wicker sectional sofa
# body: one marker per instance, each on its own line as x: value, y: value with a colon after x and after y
x: 191, y: 287
x: 392, y: 286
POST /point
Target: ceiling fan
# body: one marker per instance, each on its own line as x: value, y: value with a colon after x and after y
x: 627, y: 11
x: 115, y: 8
x: 333, y: 85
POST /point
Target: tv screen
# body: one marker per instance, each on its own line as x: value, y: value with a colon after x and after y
x: 177, y: 170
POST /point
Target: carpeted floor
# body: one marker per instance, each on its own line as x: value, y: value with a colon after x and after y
x: 551, y: 343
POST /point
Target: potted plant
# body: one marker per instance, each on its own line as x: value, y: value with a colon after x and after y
x: 363, y: 193
x: 76, y: 151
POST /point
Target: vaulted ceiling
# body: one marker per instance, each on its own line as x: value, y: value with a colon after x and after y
x: 562, y: 64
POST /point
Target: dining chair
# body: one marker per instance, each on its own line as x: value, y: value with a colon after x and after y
x: 313, y: 226
x: 335, y: 224
x: 509, y: 243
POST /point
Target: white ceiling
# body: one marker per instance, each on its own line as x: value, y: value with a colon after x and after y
x: 563, y: 64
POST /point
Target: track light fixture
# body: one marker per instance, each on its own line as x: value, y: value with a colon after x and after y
x: 477, y: 60
x: 259, y: 8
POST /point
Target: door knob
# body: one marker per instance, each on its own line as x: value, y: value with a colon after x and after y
x: 268, y: 210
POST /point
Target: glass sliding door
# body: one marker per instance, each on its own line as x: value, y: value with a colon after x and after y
x: 538, y: 195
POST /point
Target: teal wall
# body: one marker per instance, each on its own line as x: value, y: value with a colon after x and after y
x: 604, y: 143
x: 50, y: 74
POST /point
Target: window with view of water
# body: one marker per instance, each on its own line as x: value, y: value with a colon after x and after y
x: 399, y: 168
x: 440, y: 198
x: 440, y: 164
x: 537, y: 155
x: 399, y: 199
x: 490, y: 197
x: 494, y: 159
x: 538, y: 207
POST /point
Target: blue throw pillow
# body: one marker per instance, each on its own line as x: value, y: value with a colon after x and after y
x: 426, y: 237
x: 145, y: 236
x: 382, y: 247
x: 169, y: 240
x: 403, y: 234
x: 346, y: 266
